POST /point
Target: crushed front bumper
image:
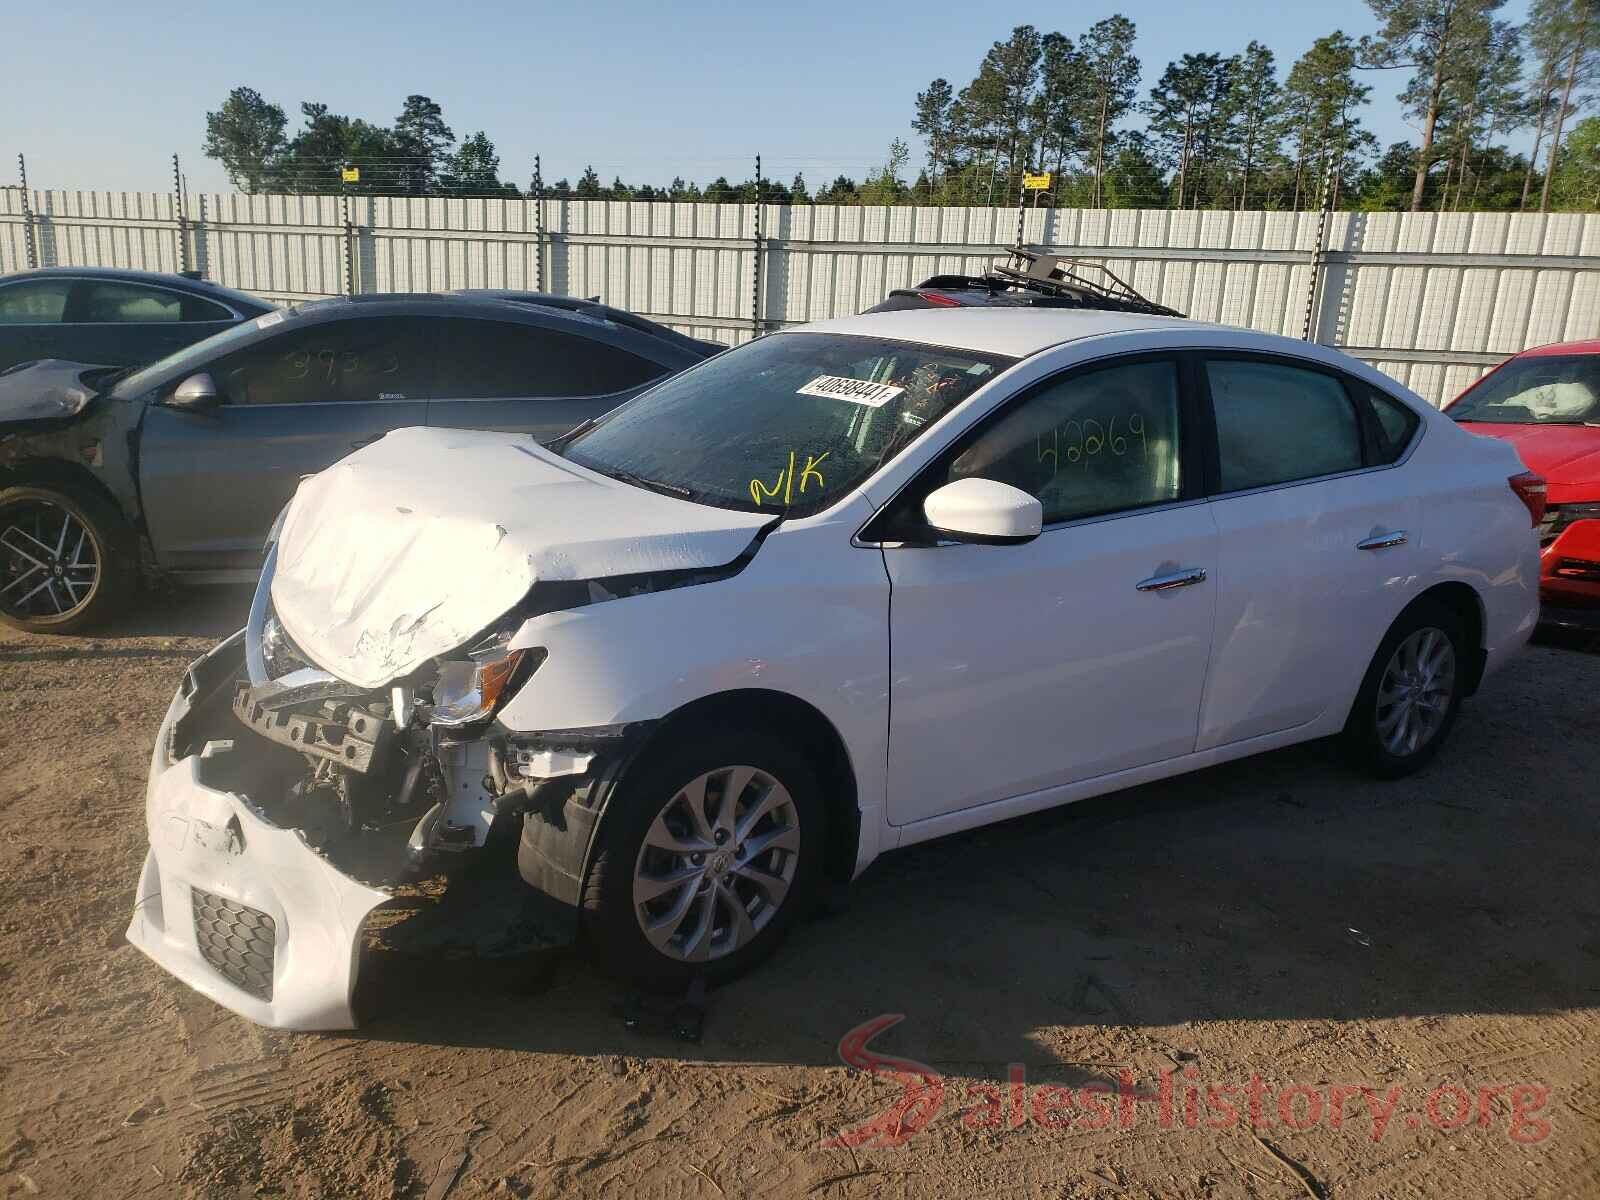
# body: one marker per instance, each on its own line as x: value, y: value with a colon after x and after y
x: 238, y: 908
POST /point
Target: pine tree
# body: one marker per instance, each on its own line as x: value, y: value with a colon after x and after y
x: 1187, y: 108
x: 1436, y: 40
x: 933, y: 121
x: 1112, y: 78
x: 1321, y: 96
x: 1255, y: 105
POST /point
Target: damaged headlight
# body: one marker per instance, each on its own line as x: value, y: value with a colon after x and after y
x: 469, y: 691
x: 278, y: 649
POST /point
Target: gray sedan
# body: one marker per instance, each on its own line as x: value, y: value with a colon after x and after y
x: 116, y: 318
x: 184, y: 464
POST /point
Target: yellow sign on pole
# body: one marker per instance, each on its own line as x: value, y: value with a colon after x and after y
x: 351, y: 174
x: 1036, y: 183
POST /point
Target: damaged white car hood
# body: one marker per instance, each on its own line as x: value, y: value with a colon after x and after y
x: 414, y: 544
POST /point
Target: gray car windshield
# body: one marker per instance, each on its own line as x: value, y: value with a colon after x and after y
x: 786, y: 424
x: 1542, y: 389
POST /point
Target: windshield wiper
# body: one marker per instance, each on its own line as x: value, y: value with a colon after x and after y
x: 651, y: 485
x: 560, y: 443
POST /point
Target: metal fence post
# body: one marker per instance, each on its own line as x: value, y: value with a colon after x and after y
x: 27, y: 215
x: 348, y: 241
x: 178, y: 211
x: 538, y: 225
x: 1318, y: 257
x: 755, y: 267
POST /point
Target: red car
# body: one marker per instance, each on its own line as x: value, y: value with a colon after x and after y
x: 1546, y: 402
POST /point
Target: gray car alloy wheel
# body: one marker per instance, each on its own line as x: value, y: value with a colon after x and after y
x: 49, y: 561
x: 1415, y: 693
x: 716, y: 863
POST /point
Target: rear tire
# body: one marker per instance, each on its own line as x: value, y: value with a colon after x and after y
x: 718, y: 893
x: 68, y: 559
x: 1411, y: 693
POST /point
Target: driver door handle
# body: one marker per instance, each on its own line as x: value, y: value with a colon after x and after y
x: 1383, y: 541
x: 1187, y: 577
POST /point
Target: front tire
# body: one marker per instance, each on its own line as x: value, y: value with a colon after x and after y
x: 1411, y: 693
x: 707, y: 854
x: 68, y: 559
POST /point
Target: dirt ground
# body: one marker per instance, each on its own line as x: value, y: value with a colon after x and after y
x: 1281, y: 919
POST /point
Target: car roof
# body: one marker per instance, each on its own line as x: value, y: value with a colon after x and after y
x: 1016, y: 332
x: 178, y: 283
x: 371, y: 304
x: 1589, y: 346
x: 491, y: 308
x: 599, y: 311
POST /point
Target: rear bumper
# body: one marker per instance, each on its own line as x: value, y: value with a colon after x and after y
x: 241, y: 910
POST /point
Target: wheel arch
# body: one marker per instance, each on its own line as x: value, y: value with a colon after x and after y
x: 1463, y: 600
x: 55, y: 472
x: 794, y: 719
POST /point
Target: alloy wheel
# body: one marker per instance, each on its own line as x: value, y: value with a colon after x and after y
x: 1416, y: 691
x: 49, y: 561
x: 716, y: 864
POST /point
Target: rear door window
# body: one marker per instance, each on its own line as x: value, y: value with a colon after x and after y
x: 499, y: 359
x: 112, y: 302
x: 34, y: 301
x: 1278, y: 423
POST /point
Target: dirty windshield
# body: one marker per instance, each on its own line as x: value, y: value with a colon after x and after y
x: 785, y: 424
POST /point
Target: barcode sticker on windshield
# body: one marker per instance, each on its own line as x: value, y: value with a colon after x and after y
x: 856, y: 391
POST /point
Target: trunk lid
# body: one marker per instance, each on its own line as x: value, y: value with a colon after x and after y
x: 411, y: 546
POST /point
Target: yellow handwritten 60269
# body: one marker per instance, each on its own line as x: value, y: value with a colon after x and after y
x: 760, y: 493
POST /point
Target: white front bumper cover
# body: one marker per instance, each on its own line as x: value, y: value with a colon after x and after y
x: 241, y: 910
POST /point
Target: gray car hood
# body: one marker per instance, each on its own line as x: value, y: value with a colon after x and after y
x: 49, y: 390
x: 412, y: 545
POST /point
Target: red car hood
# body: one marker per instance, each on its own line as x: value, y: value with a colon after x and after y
x: 1568, y: 456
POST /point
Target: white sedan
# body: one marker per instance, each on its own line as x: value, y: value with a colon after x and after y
x: 839, y: 590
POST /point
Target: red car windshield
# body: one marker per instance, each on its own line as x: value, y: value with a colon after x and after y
x: 1542, y: 389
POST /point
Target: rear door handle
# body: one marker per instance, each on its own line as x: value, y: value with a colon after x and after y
x: 1383, y: 541
x: 1187, y: 577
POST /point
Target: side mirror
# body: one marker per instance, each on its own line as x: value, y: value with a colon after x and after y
x: 198, y: 393
x: 984, y: 511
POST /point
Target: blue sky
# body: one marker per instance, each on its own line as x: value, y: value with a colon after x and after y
x: 101, y: 94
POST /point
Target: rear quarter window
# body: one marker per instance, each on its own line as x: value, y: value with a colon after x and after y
x: 1391, y: 426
